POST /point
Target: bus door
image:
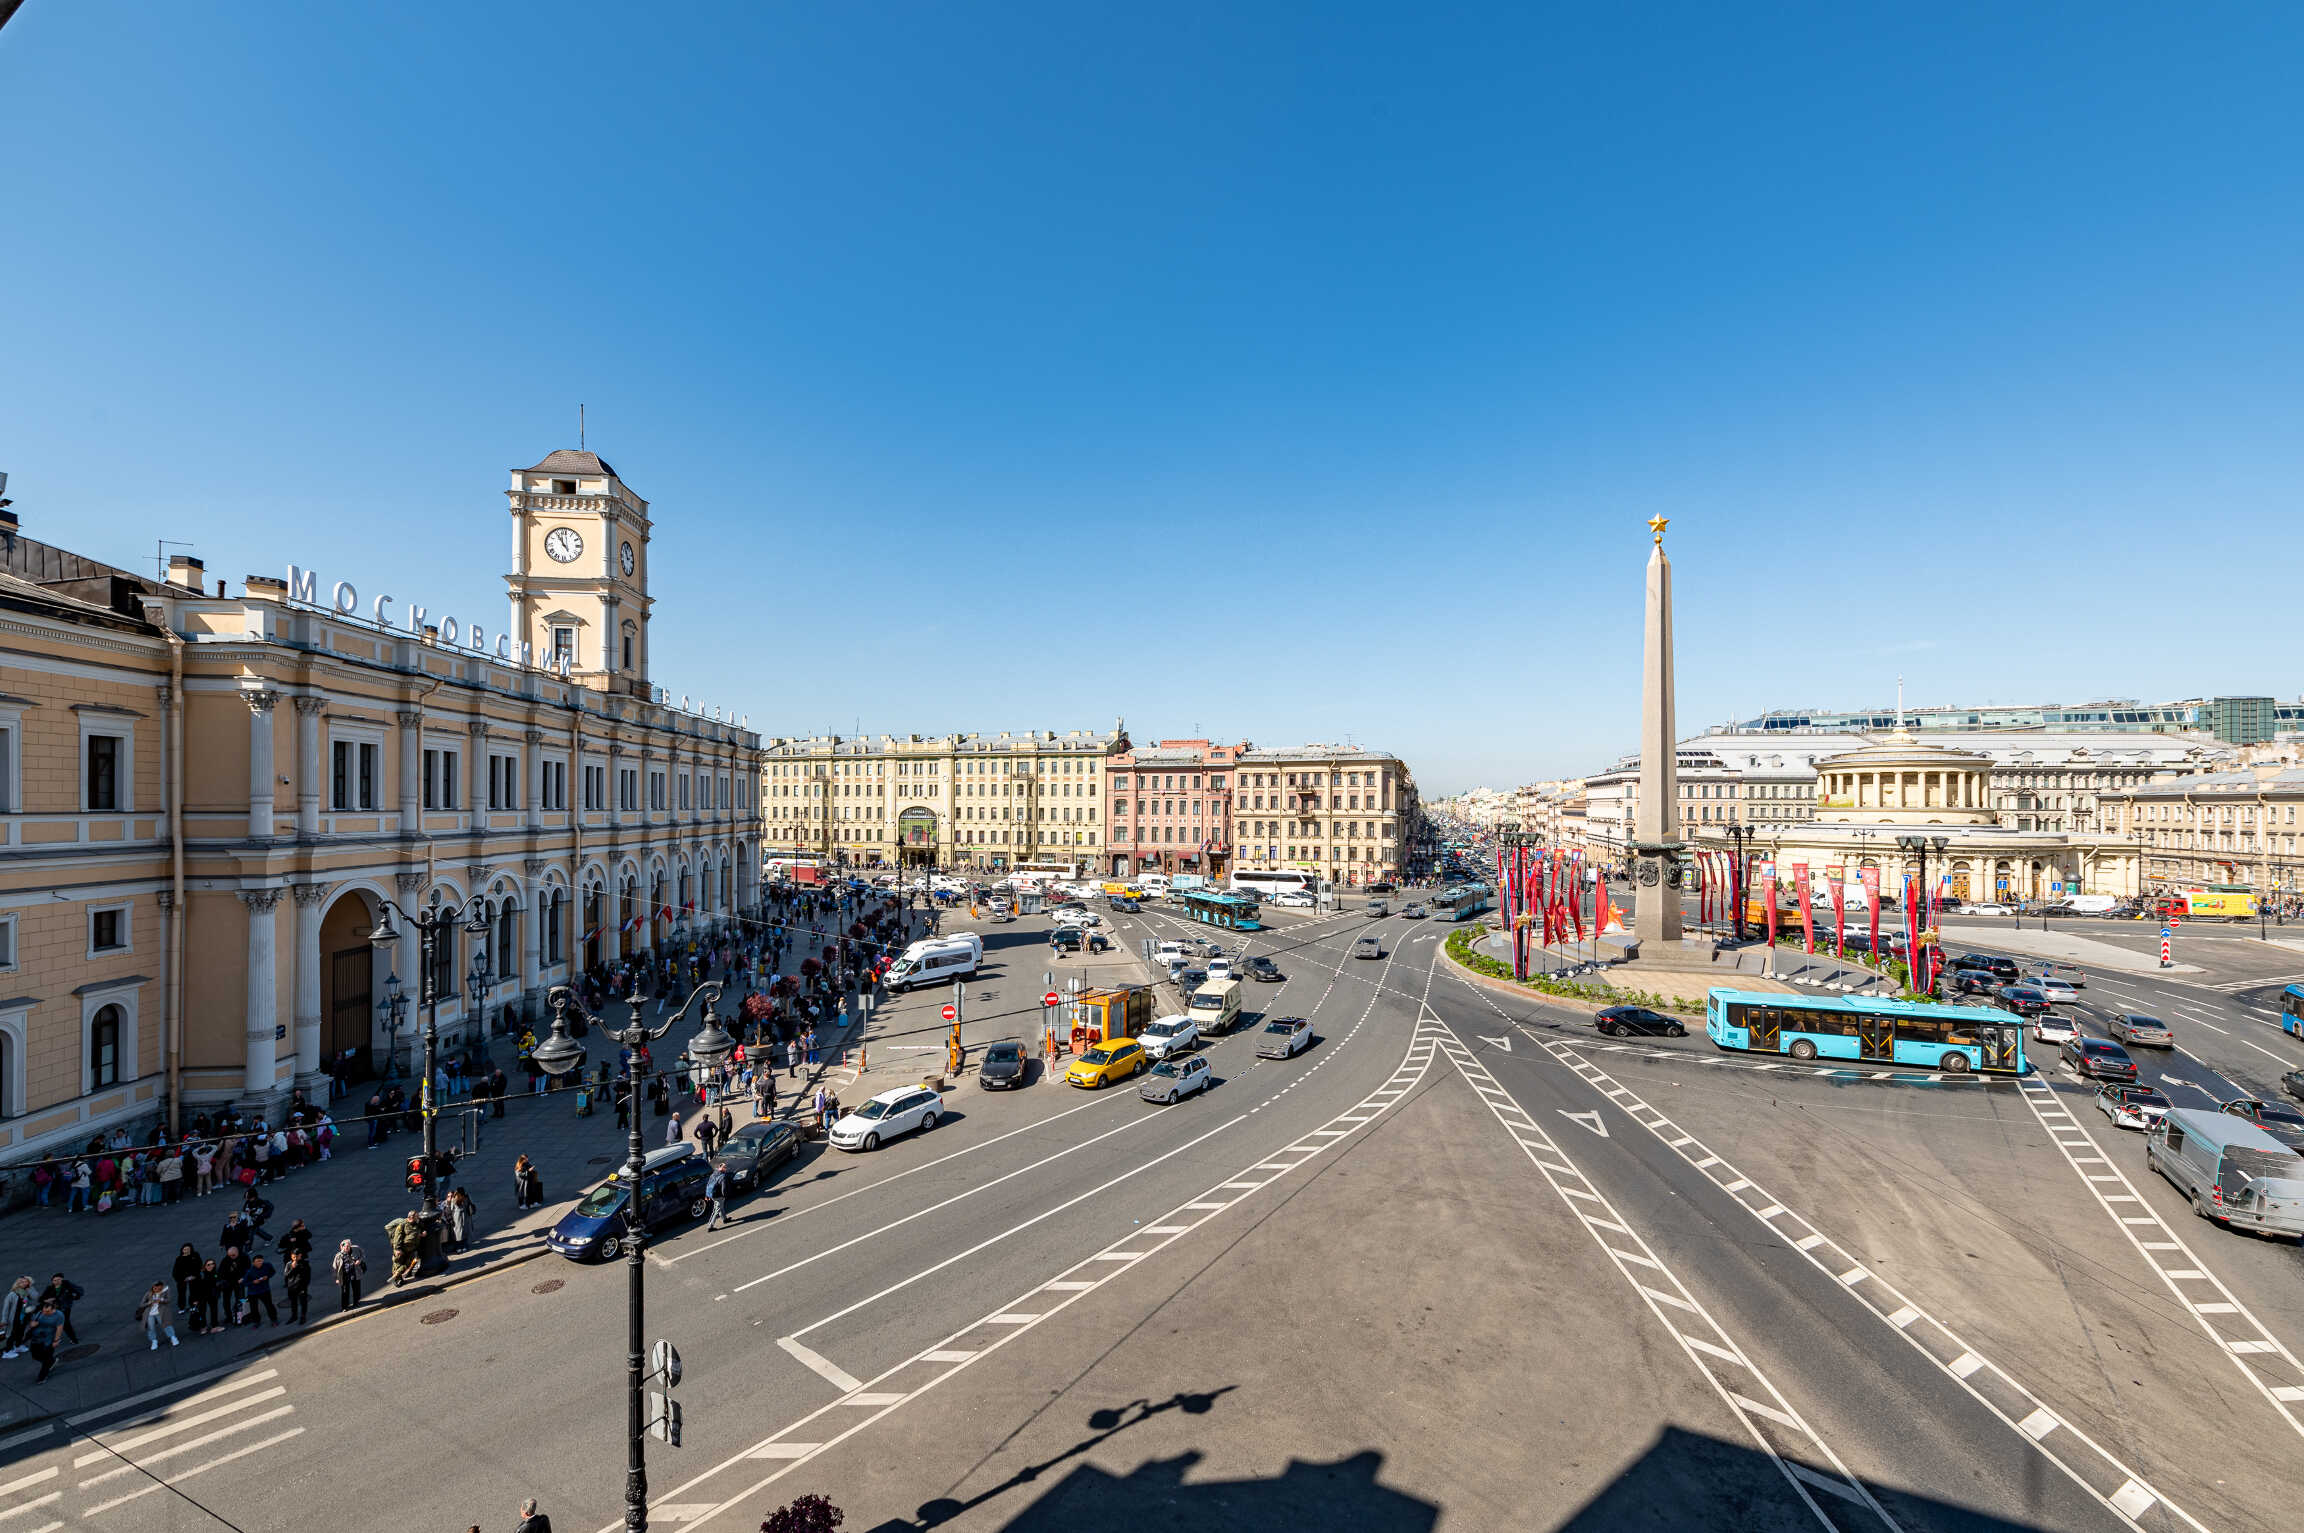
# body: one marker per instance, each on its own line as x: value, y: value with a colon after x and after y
x: 1875, y: 1036
x: 1767, y: 1023
x: 2000, y: 1045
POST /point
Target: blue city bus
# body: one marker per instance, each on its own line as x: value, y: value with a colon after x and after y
x: 2292, y: 1011
x: 1953, y: 1039
x: 1462, y: 902
x: 1233, y: 912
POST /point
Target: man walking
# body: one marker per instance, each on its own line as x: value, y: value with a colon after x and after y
x: 531, y: 1520
x: 64, y: 1293
x: 716, y: 1188
x: 350, y: 1265
x: 40, y: 1337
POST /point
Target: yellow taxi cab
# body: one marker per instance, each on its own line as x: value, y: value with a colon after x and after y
x: 1106, y: 1063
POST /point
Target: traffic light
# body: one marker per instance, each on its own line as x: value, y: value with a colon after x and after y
x: 416, y: 1173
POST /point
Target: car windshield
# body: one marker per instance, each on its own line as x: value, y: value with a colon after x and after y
x: 1097, y: 1057
x: 2144, y: 1096
x: 874, y: 1110
x: 1159, y: 1029
x: 603, y: 1199
x: 1165, y: 1067
x: 1003, y: 1054
x: 1279, y: 1027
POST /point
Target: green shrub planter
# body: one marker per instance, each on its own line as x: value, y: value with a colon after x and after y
x: 1460, y: 948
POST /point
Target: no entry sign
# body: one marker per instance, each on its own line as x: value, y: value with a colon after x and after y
x: 951, y: 1013
x: 1051, y: 999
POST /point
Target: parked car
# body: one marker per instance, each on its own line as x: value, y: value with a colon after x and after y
x: 1284, y: 1038
x: 1265, y: 970
x: 1002, y: 1067
x: 1412, y: 913
x: 756, y: 1149
x: 2098, y: 1059
x: 1174, y: 1079
x: 2023, y: 1000
x: 1105, y: 1064
x: 1293, y: 900
x: 2278, y: 1119
x: 1988, y: 909
x: 1637, y: 1021
x: 671, y: 1188
x: 1064, y: 939
x: 886, y: 1116
x: 2133, y: 1027
x: 2137, y: 1107
x: 1163, y: 1036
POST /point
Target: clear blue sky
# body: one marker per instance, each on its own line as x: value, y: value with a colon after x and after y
x: 1288, y: 372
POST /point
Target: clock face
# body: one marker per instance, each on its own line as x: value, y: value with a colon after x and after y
x: 564, y: 544
x: 627, y: 559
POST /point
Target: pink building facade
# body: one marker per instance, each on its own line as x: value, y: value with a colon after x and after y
x: 1171, y: 808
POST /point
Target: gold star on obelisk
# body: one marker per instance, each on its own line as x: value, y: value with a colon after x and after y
x: 1656, y: 524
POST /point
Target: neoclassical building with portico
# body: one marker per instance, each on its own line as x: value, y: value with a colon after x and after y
x: 212, y: 796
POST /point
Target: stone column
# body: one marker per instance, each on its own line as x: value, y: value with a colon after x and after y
x: 263, y: 1010
x: 1656, y: 872
x: 532, y: 777
x: 476, y: 772
x: 262, y: 777
x: 532, y: 928
x: 306, y: 1030
x: 310, y: 773
x: 411, y: 773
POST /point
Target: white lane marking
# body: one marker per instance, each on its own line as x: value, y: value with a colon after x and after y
x: 110, y: 1450
x: 28, y: 1481
x: 198, y: 1442
x: 169, y: 1389
x: 2097, y: 1472
x: 1661, y: 1287
x: 1414, y: 1064
x: 823, y: 1367
x: 2236, y: 1331
x: 50, y: 1499
x: 196, y: 1469
x: 2268, y: 1054
x: 1590, y: 1120
x: 784, y: 1221
x: 922, y: 1213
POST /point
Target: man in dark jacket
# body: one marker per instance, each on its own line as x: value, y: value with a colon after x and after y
x: 65, y: 1293
x: 531, y: 1520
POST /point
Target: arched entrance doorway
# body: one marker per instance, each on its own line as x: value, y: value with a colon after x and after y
x: 916, y: 837
x: 348, y: 982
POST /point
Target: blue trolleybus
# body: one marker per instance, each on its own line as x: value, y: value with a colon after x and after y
x: 1233, y: 912
x: 1462, y: 902
x: 1952, y: 1039
x: 2292, y: 1011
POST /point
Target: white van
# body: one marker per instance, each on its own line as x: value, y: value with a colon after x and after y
x: 935, y: 960
x: 2090, y: 904
x: 1215, y: 1007
x: 1154, y: 884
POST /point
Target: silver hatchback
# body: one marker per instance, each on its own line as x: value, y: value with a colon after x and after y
x: 2135, y: 1027
x: 1172, y: 1080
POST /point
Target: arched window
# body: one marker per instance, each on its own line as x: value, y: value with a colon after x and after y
x: 507, y: 939
x: 443, y: 978
x: 104, y: 1049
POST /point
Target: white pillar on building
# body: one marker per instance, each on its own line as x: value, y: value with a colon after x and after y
x: 257, y: 1075
x: 262, y: 776
x: 412, y: 773
x: 532, y: 775
x: 476, y: 773
x: 309, y: 773
x: 309, y: 898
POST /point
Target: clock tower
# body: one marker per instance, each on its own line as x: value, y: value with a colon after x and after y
x: 579, y: 581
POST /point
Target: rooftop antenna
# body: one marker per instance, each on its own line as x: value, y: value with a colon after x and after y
x: 160, y: 547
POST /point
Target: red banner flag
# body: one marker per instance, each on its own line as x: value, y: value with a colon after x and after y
x: 1807, y: 916
x: 1871, y: 878
x: 1704, y: 887
x: 1839, y: 919
x: 1576, y: 906
x: 1768, y: 898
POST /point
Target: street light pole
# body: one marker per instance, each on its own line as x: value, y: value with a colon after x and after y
x: 556, y: 1056
x: 434, y: 925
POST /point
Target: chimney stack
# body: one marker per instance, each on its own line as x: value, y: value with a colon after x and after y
x: 187, y: 571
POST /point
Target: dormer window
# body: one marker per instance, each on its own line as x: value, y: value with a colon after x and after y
x: 563, y: 486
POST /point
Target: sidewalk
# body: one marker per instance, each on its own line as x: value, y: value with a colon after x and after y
x: 116, y: 1256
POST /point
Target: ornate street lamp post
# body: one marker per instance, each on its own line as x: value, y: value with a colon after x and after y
x: 559, y: 1054
x: 434, y: 925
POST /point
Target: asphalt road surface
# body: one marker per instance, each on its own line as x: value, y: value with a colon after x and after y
x: 1461, y: 1264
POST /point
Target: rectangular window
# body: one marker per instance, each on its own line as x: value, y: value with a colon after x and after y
x: 8, y: 771
x: 563, y: 648
x: 655, y: 790
x: 595, y: 787
x: 555, y: 785
x: 101, y: 785
x: 8, y: 942
x: 107, y: 930
x: 440, y: 779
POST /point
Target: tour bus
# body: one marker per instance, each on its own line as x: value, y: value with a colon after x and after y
x: 1266, y: 882
x: 1952, y: 1039
x: 1038, y: 874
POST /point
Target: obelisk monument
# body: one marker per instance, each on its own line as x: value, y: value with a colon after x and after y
x: 1656, y: 823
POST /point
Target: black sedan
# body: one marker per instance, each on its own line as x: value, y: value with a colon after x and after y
x: 1265, y: 970
x: 1002, y: 1067
x: 1637, y: 1021
x: 755, y: 1150
x: 1381, y: 886
x: 2027, y: 1002
x: 2098, y: 1059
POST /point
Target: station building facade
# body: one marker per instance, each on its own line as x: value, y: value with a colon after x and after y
x: 209, y: 799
